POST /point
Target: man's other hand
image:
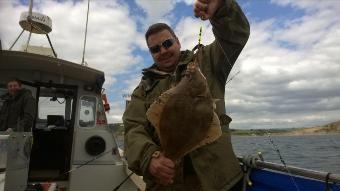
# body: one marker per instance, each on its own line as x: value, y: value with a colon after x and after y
x: 205, y: 9
x: 163, y: 169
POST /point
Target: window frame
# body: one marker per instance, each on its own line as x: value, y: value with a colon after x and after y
x: 2, y: 86
x: 94, y: 112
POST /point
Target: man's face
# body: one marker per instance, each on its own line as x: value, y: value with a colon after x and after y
x: 13, y: 87
x: 166, y: 58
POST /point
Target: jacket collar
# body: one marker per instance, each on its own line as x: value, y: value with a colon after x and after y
x: 19, y: 93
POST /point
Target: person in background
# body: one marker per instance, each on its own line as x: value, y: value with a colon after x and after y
x: 213, y: 167
x: 18, y: 110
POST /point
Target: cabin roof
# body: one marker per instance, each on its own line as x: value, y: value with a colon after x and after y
x: 16, y: 60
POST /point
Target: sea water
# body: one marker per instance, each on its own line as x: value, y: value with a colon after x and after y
x: 316, y: 152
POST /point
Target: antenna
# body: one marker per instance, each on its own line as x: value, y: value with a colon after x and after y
x: 34, y: 23
x: 87, y: 20
x: 30, y: 8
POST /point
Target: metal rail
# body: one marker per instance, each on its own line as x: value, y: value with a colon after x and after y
x: 318, y: 175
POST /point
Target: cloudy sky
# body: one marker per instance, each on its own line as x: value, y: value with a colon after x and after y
x: 287, y: 75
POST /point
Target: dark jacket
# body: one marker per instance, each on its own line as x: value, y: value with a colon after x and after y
x: 215, y: 164
x: 18, y: 111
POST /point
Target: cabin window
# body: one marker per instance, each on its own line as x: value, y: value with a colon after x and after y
x: 49, y: 106
x: 55, y: 108
x: 87, y: 115
x: 55, y: 111
x: 3, y: 91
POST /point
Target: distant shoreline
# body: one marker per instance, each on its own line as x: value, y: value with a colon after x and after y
x: 332, y: 128
x: 283, y: 134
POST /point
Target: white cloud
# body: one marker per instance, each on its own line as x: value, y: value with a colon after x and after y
x: 155, y: 10
x: 188, y: 2
x: 132, y: 84
x: 110, y: 43
x: 188, y: 29
x: 116, y: 113
x: 289, y: 74
x: 294, y: 86
x: 310, y: 5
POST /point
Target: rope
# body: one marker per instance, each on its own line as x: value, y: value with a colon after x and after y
x: 249, y: 162
x: 87, y: 20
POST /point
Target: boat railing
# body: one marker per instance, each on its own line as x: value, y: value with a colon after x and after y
x: 292, y: 170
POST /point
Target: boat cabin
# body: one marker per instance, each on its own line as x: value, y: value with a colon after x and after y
x: 72, y: 142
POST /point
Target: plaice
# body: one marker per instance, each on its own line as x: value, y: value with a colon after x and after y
x: 184, y: 115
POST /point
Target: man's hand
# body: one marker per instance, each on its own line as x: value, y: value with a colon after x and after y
x: 163, y: 169
x: 9, y: 130
x: 205, y: 9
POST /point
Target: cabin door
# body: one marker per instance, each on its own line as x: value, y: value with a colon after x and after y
x: 53, y: 132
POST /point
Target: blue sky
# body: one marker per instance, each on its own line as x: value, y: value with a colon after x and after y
x: 288, y: 69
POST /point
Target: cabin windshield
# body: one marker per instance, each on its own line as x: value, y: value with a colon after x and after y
x: 54, y: 108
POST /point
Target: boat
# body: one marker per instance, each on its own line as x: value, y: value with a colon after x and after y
x: 262, y: 175
x: 72, y: 141
x: 72, y: 147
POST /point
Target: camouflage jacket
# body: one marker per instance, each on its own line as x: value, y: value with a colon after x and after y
x: 215, y: 165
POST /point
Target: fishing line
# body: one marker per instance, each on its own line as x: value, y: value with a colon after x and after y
x: 119, y: 185
x: 82, y: 165
x: 200, y: 36
x: 227, y: 60
x: 276, y: 148
x: 89, y: 161
x: 231, y: 78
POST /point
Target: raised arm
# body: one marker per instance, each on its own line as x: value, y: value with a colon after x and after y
x: 231, y: 30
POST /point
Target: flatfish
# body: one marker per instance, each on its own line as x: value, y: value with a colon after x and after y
x: 184, y: 115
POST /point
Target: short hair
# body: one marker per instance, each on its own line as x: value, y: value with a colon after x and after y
x: 14, y: 80
x: 157, y: 27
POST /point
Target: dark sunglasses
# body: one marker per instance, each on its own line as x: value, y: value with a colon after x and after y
x: 166, y: 44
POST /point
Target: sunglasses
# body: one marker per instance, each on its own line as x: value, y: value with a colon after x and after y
x: 166, y: 44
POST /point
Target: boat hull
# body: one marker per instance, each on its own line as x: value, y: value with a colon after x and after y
x: 267, y: 180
